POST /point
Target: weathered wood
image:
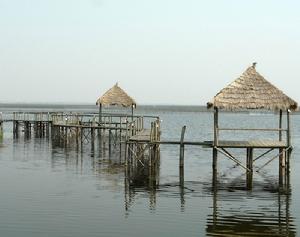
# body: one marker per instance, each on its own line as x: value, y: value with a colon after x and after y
x: 249, y: 173
x: 250, y: 159
x: 288, y: 128
x: 181, y: 153
x: 214, y: 162
x: 280, y: 125
x: 252, y: 143
x: 100, y: 113
x: 1, y: 131
x: 93, y: 138
x: 216, y: 126
x: 109, y: 141
x: 254, y: 129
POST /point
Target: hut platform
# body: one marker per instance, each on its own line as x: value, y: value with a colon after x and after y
x: 249, y: 144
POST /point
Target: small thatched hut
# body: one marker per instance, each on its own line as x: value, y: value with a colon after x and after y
x: 115, y: 96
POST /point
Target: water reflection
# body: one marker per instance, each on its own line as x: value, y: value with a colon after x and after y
x: 264, y: 211
x: 235, y: 211
x: 141, y: 177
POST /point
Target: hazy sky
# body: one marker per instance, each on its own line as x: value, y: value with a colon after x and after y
x: 160, y: 51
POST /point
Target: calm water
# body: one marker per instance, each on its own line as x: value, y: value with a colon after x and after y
x: 53, y: 191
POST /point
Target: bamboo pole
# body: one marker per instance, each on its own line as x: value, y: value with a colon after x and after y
x: 181, y: 156
x: 216, y: 126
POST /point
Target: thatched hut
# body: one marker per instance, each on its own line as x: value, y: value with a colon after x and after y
x: 251, y: 91
x: 115, y: 96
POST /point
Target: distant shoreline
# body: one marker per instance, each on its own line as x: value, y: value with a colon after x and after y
x: 172, y: 108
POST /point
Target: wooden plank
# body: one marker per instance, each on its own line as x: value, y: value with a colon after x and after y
x: 251, y: 144
x: 253, y: 129
x: 142, y: 136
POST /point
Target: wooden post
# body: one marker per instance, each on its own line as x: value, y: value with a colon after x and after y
x: 215, y: 144
x: 281, y: 153
x: 181, y: 157
x: 249, y: 174
x: 216, y: 126
x: 16, y: 129
x: 214, y: 165
x: 81, y: 137
x: 288, y: 128
x: 288, y: 153
x: 132, y: 107
x: 100, y: 114
x: 120, y: 138
x: 109, y: 141
x: 280, y: 125
x: 93, y: 139
x: 1, y: 131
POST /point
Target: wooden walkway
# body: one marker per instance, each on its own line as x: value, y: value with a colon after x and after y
x: 142, y: 136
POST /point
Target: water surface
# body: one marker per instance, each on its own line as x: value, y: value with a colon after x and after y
x: 48, y: 190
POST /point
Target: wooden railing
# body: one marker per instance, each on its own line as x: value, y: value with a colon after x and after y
x: 279, y: 130
x: 155, y: 131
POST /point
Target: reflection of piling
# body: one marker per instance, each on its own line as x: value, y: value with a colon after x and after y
x: 140, y: 175
x: 1, y: 130
x: 271, y: 218
x: 16, y: 129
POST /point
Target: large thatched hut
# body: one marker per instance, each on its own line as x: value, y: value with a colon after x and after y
x: 115, y: 96
x: 251, y: 91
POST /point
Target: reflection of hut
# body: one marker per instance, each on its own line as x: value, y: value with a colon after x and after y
x: 234, y: 215
x: 115, y: 96
x: 252, y: 92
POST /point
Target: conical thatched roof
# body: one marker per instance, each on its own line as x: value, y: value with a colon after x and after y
x: 252, y: 91
x: 116, y: 96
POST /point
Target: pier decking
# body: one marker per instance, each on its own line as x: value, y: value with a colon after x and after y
x: 249, y: 144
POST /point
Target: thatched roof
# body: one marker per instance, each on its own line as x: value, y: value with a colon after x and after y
x: 116, y: 96
x: 252, y: 91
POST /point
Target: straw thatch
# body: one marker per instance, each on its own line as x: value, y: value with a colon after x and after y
x: 116, y: 96
x: 252, y: 91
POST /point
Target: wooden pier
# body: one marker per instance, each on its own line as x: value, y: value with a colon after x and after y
x: 141, y: 135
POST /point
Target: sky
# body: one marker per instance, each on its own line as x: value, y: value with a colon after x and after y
x: 160, y: 51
